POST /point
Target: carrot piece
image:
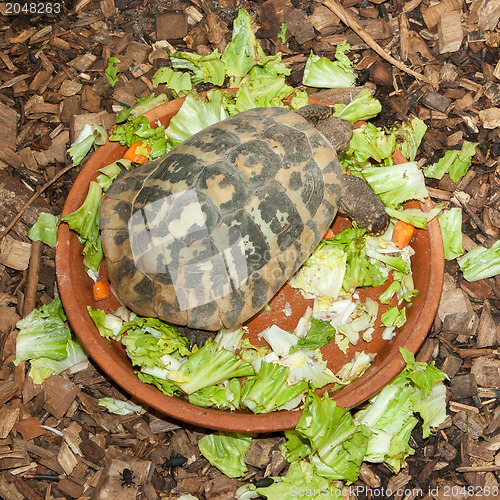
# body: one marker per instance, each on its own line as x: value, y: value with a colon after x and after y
x: 101, y: 290
x: 402, y: 233
x: 329, y: 234
x: 137, y: 157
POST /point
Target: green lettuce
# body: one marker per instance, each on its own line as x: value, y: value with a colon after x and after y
x: 85, y: 222
x: 119, y: 407
x: 337, y: 441
x: 226, y: 451
x: 303, y: 481
x: 261, y: 90
x: 207, y: 69
x: 243, y: 52
x: 322, y: 73
x: 320, y: 333
x: 45, y: 229
x: 360, y: 271
x: 196, y: 113
x: 108, y: 325
x: 454, y: 162
x: 143, y: 105
x: 209, y: 366
x: 322, y: 273
x: 147, y: 340
x: 110, y: 172
x: 390, y: 414
x: 480, y: 262
x: 450, y: 222
x: 396, y: 184
x: 369, y: 141
x: 46, y: 342
x: 112, y: 72
x: 268, y: 390
x: 139, y: 130
x: 363, y: 106
x: 42, y: 367
x: 89, y: 135
x: 409, y: 135
x: 179, y: 82
x: 415, y: 216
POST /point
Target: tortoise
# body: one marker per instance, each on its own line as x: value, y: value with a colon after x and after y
x: 206, y: 235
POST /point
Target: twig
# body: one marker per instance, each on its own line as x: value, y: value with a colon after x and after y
x: 33, y: 198
x: 33, y: 275
x: 349, y: 21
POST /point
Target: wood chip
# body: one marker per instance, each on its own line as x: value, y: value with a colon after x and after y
x: 171, y: 26
x: 433, y: 13
x: 8, y: 418
x: 450, y: 32
x: 490, y: 118
x: 486, y: 372
x: 463, y: 386
x: 59, y: 394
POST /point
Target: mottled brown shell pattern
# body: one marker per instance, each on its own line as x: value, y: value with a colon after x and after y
x: 207, y: 235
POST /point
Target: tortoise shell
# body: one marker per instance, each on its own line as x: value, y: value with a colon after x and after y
x: 206, y: 235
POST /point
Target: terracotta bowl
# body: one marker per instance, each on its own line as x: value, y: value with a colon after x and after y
x: 76, y: 293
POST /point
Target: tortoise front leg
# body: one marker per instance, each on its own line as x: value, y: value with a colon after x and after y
x: 363, y: 206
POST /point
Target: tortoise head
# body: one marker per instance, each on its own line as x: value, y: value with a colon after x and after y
x: 337, y: 131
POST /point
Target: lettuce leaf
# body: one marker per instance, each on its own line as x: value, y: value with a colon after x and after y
x: 320, y: 72
x: 480, y: 262
x: 363, y: 106
x: 45, y: 229
x: 196, y: 113
x: 226, y: 451
x: 454, y: 162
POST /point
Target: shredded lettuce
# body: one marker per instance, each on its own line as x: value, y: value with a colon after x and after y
x: 322, y: 73
x: 119, y: 407
x: 196, y: 113
x: 226, y: 451
x: 308, y: 365
x: 363, y: 106
x: 322, y: 273
x: 320, y: 333
x: 338, y: 442
x: 46, y: 342
x: 368, y: 142
x: 262, y: 90
x: 396, y: 184
x: 209, y: 366
x: 301, y: 481
x: 109, y: 325
x: 409, y: 135
x: 268, y: 390
x: 147, y: 340
x: 208, y: 69
x: 243, y: 52
x: 110, y: 172
x: 85, y: 222
x: 179, y: 82
x: 112, y: 72
x: 45, y: 229
x: 42, y: 368
x: 454, y: 162
x: 415, y: 216
x: 450, y: 222
x: 138, y: 129
x: 360, y: 271
x: 89, y: 135
x: 143, y: 105
x: 480, y: 262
